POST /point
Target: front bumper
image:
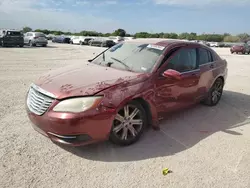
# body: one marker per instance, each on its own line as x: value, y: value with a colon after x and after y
x: 73, y: 129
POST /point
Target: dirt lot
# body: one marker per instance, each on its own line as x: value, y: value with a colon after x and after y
x: 204, y: 146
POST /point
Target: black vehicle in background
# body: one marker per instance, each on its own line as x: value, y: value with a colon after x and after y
x: 102, y: 43
x: 86, y: 41
x: 61, y: 39
x: 11, y: 38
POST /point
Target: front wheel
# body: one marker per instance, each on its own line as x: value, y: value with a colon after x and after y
x: 129, y: 124
x: 215, y: 93
x: 2, y: 44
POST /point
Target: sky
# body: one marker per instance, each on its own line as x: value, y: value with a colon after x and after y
x: 200, y: 16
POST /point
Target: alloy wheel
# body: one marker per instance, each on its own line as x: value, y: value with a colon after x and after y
x: 128, y: 123
x: 217, y: 91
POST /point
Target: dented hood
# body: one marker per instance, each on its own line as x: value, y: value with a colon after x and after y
x: 82, y: 79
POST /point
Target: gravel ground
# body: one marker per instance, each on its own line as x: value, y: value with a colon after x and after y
x: 203, y: 146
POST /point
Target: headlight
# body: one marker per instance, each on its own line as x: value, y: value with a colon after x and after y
x: 77, y: 104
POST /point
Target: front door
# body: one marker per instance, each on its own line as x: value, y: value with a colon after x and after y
x: 172, y: 94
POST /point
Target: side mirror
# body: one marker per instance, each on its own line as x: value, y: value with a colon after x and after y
x: 90, y: 60
x: 170, y: 73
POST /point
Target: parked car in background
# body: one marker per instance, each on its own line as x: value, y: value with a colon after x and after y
x: 35, y: 39
x: 50, y: 36
x: 214, y: 44
x: 77, y: 39
x: 61, y: 39
x: 240, y: 48
x: 116, y: 39
x: 10, y: 37
x: 124, y: 89
x: 71, y: 39
x: 102, y: 42
x: 86, y: 40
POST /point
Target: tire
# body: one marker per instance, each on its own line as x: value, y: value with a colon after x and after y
x: 215, y: 93
x: 44, y: 45
x: 123, y: 131
x: 20, y: 45
x: 2, y: 44
x: 31, y: 44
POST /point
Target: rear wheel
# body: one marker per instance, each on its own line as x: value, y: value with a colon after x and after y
x: 129, y: 124
x: 215, y: 93
x: 2, y: 44
x: 44, y: 45
x: 31, y: 44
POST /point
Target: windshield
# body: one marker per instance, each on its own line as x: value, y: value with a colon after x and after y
x: 40, y: 35
x: 14, y: 33
x: 131, y: 56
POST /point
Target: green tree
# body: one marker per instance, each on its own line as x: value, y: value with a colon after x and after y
x: 183, y: 35
x: 231, y: 39
x: 119, y: 32
x: 26, y: 29
x: 244, y: 37
x: 142, y: 35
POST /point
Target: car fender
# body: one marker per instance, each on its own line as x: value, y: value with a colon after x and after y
x: 118, y: 96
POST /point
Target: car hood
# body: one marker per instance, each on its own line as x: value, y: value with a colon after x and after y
x: 84, y: 79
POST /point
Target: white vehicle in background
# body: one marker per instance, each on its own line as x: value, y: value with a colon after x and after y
x: 128, y: 38
x: 35, y: 39
x: 77, y: 39
x: 116, y: 39
x: 81, y: 40
x: 214, y: 44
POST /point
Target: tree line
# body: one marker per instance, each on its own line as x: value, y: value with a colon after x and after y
x: 226, y: 37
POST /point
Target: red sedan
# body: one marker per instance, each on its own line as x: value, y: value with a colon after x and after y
x: 123, y: 90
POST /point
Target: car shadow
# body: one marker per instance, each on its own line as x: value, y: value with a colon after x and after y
x: 180, y: 131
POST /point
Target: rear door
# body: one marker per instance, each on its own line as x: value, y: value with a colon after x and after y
x: 207, y: 64
x: 173, y: 94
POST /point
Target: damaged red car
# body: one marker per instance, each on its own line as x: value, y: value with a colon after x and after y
x: 124, y: 89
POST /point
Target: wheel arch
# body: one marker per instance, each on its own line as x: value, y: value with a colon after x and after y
x: 147, y: 109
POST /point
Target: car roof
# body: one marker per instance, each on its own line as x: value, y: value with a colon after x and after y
x: 161, y: 42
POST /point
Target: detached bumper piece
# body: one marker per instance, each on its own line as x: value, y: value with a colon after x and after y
x: 69, y: 139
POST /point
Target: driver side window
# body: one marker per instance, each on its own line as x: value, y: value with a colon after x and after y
x: 183, y: 60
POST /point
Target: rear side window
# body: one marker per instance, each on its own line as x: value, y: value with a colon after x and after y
x: 204, y: 56
x: 184, y: 60
x: 40, y: 35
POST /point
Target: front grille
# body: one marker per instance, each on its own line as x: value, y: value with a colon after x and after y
x: 38, y: 102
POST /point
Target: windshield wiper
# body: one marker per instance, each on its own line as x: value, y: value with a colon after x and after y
x: 128, y: 68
